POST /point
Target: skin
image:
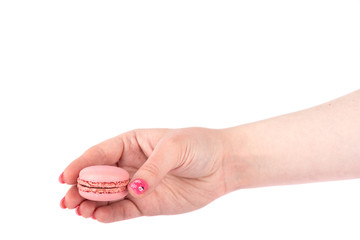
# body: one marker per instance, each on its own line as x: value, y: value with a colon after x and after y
x: 188, y: 168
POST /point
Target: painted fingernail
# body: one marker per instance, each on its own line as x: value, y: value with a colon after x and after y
x: 93, y: 214
x: 77, y: 210
x: 61, y: 178
x: 62, y: 203
x: 139, y: 186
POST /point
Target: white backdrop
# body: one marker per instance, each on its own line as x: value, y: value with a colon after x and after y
x: 74, y: 73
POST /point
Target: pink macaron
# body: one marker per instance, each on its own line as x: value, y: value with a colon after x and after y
x: 103, y: 183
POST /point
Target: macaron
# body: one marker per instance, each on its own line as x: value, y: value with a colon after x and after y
x: 103, y: 183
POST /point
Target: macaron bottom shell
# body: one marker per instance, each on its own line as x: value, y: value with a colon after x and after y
x: 103, y: 197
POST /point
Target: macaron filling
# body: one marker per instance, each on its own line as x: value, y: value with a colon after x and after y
x: 102, y: 187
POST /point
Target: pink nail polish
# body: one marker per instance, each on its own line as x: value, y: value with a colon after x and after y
x: 77, y: 210
x: 139, y: 186
x: 61, y: 178
x: 62, y: 203
x: 93, y: 214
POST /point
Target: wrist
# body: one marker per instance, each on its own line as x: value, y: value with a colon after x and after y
x: 238, y: 160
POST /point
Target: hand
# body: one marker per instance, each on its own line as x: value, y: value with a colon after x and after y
x: 183, y: 170
x: 186, y: 169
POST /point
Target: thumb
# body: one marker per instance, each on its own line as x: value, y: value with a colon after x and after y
x: 147, y: 178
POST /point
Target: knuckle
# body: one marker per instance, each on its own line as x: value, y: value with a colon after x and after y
x: 123, y: 214
x: 176, y: 139
x: 178, y: 143
x: 105, y: 215
x: 152, y: 169
x: 95, y: 152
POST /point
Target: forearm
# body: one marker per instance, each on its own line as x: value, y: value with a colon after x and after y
x: 317, y: 144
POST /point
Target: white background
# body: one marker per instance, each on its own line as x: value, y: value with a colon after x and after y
x: 74, y: 73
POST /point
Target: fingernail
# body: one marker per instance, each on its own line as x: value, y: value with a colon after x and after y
x: 139, y: 186
x: 61, y: 178
x: 62, y: 203
x: 77, y: 210
x: 93, y: 214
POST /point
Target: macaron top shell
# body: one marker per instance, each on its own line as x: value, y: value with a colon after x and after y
x: 102, y: 173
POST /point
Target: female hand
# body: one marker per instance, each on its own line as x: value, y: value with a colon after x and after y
x: 183, y: 170
x: 186, y: 169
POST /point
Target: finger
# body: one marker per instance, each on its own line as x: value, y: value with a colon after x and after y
x: 87, y: 207
x: 105, y: 153
x: 117, y: 211
x: 72, y: 198
x: 166, y: 156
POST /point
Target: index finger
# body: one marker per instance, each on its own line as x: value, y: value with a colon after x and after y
x: 107, y: 152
